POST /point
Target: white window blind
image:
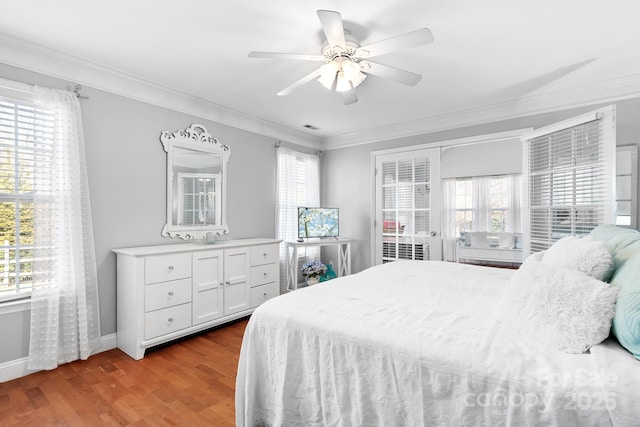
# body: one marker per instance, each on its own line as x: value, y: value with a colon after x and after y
x: 570, y: 185
x: 24, y: 130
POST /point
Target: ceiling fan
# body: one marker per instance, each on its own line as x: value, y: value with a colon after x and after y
x: 346, y: 63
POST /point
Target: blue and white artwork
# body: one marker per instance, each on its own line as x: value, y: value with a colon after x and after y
x: 318, y: 222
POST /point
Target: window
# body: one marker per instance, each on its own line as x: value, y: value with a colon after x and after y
x: 22, y: 129
x: 498, y: 204
x: 485, y: 204
x: 626, y: 185
x: 298, y: 184
x: 570, y: 171
x: 464, y: 205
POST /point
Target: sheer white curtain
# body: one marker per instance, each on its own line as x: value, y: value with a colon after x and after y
x: 481, y: 199
x: 449, y: 219
x: 65, y: 321
x: 298, y: 184
x: 514, y: 204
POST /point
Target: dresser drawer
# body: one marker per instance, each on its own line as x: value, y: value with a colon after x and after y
x: 264, y: 254
x: 162, y: 268
x: 167, y: 320
x: 264, y: 274
x: 166, y: 294
x: 260, y: 294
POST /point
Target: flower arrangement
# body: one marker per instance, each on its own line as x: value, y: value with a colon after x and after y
x: 313, y: 269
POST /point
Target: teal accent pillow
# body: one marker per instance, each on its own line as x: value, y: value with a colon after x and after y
x: 624, y: 245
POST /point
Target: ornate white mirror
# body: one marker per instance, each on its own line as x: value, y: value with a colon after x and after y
x: 196, y: 184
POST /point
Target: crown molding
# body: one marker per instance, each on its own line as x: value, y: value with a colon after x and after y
x: 537, y: 103
x: 37, y: 58
x: 34, y: 57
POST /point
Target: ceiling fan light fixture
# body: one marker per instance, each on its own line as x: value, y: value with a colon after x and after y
x: 343, y: 84
x: 344, y: 72
x: 328, y: 74
x: 351, y: 70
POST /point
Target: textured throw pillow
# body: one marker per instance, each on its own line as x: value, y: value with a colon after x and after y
x: 479, y: 239
x: 589, y: 256
x: 624, y: 244
x: 560, y: 309
x: 506, y: 240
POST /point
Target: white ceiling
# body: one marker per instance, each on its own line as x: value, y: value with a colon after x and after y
x: 490, y: 60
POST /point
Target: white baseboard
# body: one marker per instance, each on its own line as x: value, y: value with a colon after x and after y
x: 18, y: 368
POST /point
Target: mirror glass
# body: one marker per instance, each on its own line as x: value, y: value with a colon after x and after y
x: 196, y: 178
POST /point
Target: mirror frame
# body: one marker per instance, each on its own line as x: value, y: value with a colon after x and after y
x: 195, y: 138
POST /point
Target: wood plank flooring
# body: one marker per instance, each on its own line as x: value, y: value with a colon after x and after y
x: 189, y: 382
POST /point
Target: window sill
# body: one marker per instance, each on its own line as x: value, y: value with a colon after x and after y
x: 15, y: 303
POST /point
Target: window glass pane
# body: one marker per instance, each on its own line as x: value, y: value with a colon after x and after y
x: 422, y: 196
x: 422, y: 171
x: 388, y: 173
x: 464, y: 220
x: 7, y: 269
x: 405, y: 196
x: 422, y: 223
x: 26, y: 223
x: 7, y: 223
x: 498, y: 221
x: 25, y: 171
x: 7, y: 170
x: 389, y: 197
x: 26, y: 267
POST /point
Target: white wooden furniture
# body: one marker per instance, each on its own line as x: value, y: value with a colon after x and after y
x: 169, y: 291
x: 293, y: 250
x: 489, y: 255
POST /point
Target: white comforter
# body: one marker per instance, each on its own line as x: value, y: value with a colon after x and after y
x: 409, y: 344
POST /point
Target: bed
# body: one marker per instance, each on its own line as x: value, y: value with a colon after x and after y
x: 420, y: 343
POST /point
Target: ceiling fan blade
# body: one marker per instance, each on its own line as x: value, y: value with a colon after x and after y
x: 410, y: 39
x: 306, y: 79
x: 332, y: 25
x: 349, y: 97
x: 385, y: 71
x: 279, y: 55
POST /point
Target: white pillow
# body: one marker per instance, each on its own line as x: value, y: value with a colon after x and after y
x: 557, y: 308
x: 583, y: 254
x: 479, y: 239
x: 506, y: 240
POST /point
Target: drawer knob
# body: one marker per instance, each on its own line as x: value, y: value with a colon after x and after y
x: 170, y: 320
x: 265, y: 255
x: 265, y: 295
x: 266, y: 275
x: 170, y: 268
x: 170, y: 293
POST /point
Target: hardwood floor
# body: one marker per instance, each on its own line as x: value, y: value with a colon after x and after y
x: 190, y: 382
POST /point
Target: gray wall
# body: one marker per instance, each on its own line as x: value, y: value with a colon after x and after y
x: 487, y: 158
x: 352, y: 165
x: 127, y: 181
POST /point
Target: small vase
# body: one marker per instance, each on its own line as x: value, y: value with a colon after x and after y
x: 329, y: 274
x: 312, y: 281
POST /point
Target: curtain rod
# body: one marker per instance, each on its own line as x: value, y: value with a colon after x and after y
x: 30, y: 89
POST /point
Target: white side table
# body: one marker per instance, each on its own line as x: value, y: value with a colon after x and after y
x: 344, y: 257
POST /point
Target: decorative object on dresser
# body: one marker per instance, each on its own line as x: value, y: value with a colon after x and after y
x: 196, y: 184
x: 170, y: 291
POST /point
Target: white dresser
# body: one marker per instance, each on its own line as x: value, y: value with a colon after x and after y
x: 169, y: 291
